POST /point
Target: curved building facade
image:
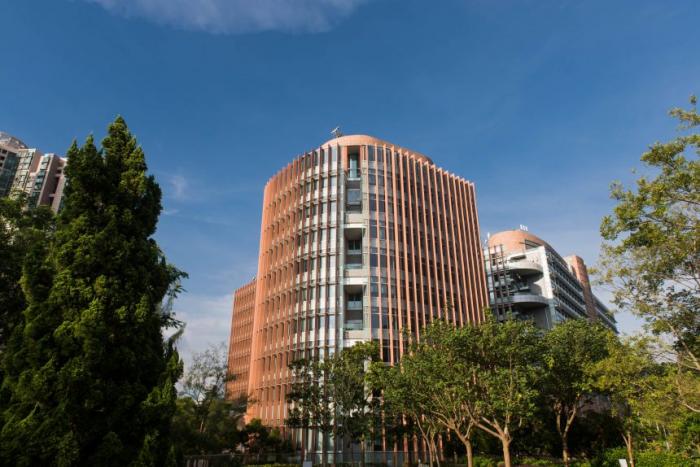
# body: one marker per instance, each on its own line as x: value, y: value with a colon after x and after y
x: 360, y: 240
x: 529, y: 279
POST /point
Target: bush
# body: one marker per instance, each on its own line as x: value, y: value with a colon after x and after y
x: 481, y: 461
x: 643, y: 459
x: 536, y: 462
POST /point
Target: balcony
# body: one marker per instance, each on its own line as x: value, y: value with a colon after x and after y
x: 353, y: 305
x: 524, y: 267
x: 354, y: 325
x: 353, y: 174
x: 527, y: 299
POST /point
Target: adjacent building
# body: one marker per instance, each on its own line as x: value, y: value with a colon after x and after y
x: 27, y: 170
x: 528, y: 278
x: 361, y: 240
x: 9, y: 160
x: 240, y: 341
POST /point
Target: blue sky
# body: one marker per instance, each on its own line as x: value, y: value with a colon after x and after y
x: 541, y: 103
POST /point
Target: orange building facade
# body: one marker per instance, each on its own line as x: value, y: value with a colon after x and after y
x: 240, y: 341
x: 360, y: 240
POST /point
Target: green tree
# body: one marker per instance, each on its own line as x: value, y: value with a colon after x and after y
x: 206, y: 422
x: 444, y: 363
x: 569, y: 349
x: 651, y: 257
x: 90, y: 378
x: 405, y: 398
x: 257, y: 439
x: 627, y: 376
x: 508, y: 367
x: 310, y: 399
x: 205, y: 381
x: 21, y: 230
x: 356, y: 414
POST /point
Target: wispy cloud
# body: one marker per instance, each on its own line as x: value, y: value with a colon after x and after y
x: 237, y: 16
x: 207, y: 322
x: 178, y: 186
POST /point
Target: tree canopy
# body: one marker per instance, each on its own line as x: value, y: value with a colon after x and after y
x: 90, y: 378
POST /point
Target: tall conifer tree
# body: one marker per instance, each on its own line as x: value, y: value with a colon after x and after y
x: 90, y: 376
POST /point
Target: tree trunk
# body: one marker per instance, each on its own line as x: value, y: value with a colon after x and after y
x: 470, y: 453
x: 303, y: 445
x: 362, y: 453
x: 506, y: 451
x: 437, y: 453
x: 627, y: 436
x: 352, y: 453
x: 569, y: 418
x: 324, y: 448
x: 565, y: 451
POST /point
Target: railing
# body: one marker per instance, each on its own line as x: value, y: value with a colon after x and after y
x: 353, y: 306
x: 354, y: 325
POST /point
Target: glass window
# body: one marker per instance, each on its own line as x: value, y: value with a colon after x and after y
x: 354, y: 196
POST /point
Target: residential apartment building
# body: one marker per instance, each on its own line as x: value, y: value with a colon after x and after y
x: 361, y: 240
x: 528, y: 278
x: 22, y: 169
x: 9, y: 159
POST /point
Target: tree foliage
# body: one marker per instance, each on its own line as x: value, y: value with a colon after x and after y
x: 570, y: 348
x: 23, y: 231
x: 355, y: 409
x: 652, y: 254
x: 206, y: 422
x: 508, y: 371
x: 90, y: 378
x: 456, y: 380
x: 651, y: 259
x: 310, y: 399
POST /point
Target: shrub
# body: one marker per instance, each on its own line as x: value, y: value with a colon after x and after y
x: 480, y: 461
x: 643, y: 459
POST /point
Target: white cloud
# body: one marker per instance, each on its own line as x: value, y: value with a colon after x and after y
x: 207, y: 322
x: 237, y: 16
x: 179, y: 185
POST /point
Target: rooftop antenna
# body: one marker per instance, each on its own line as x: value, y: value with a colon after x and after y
x: 336, y: 132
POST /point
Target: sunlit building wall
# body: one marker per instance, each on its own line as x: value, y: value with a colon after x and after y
x: 360, y: 240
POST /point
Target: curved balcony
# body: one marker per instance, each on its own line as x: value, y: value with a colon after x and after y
x: 528, y: 300
x: 524, y: 267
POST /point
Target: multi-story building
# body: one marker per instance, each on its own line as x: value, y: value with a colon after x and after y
x: 22, y: 169
x: 240, y: 341
x: 529, y: 279
x: 361, y: 240
x: 9, y: 160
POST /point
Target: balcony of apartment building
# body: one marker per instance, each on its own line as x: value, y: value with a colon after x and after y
x: 355, y: 313
x: 354, y: 259
x: 523, y: 265
x: 521, y: 290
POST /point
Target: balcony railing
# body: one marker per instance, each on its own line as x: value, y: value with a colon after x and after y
x: 353, y: 306
x: 354, y: 325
